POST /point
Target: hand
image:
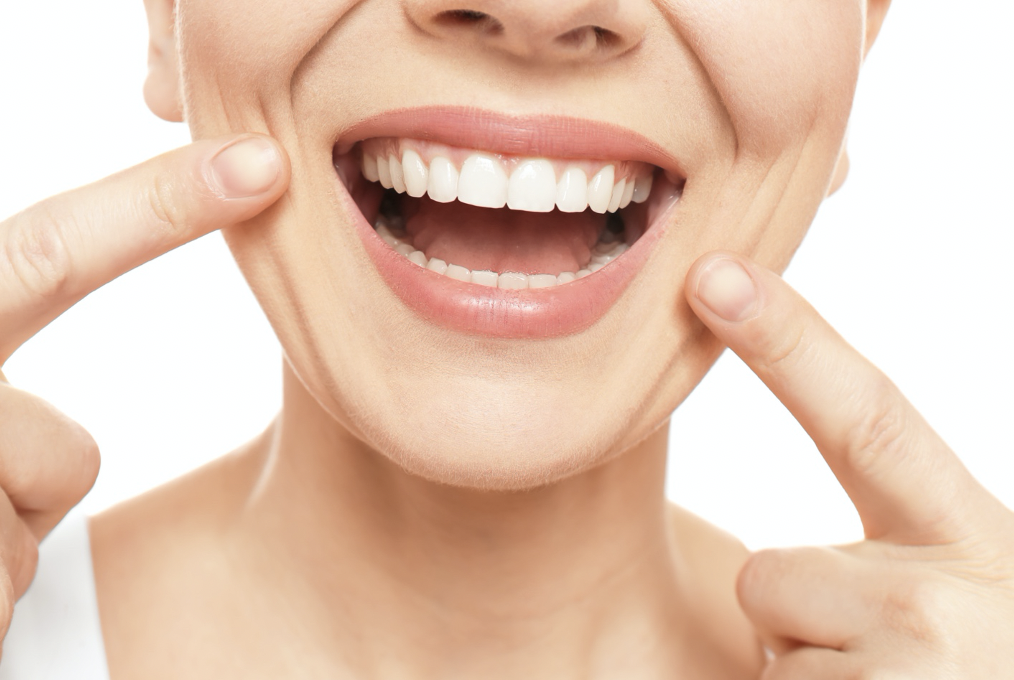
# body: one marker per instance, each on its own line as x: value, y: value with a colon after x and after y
x: 930, y: 593
x: 55, y: 253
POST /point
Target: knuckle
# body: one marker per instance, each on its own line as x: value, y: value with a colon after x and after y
x: 881, y: 433
x: 35, y: 251
x: 756, y: 576
x: 169, y: 218
x: 920, y: 609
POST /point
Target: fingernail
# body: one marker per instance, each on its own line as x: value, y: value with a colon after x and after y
x: 246, y: 168
x: 727, y: 289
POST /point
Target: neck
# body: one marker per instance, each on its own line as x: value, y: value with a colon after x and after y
x: 453, y: 580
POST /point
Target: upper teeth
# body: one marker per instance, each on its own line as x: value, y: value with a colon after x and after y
x: 492, y: 181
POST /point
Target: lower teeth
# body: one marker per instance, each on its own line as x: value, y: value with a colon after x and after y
x: 610, y: 246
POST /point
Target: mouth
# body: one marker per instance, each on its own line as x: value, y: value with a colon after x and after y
x: 476, y: 230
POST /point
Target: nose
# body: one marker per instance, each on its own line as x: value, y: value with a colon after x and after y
x: 536, y: 30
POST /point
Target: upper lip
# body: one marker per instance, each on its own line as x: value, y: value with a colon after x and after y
x: 550, y: 136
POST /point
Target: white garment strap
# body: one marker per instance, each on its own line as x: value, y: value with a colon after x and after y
x: 56, y: 634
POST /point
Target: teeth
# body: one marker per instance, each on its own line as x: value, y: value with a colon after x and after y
x: 602, y: 254
x: 370, y: 168
x: 484, y: 277
x: 416, y: 173
x: 483, y: 182
x: 600, y: 189
x: 542, y: 280
x: 628, y: 193
x: 458, y: 272
x: 443, y: 181
x: 572, y: 191
x: 513, y: 281
x: 397, y: 176
x: 642, y: 188
x: 532, y: 187
x: 437, y: 265
x: 616, y: 196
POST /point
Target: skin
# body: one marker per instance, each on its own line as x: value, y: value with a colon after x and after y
x: 361, y: 535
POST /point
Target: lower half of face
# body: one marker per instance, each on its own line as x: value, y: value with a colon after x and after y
x: 478, y: 269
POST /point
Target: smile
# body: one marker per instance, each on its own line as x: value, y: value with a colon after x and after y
x: 488, y: 239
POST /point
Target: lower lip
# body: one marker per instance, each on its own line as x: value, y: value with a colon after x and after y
x: 492, y: 312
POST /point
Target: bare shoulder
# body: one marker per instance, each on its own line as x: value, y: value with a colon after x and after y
x: 712, y: 559
x: 160, y: 560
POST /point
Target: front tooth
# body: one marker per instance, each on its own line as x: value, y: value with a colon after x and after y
x: 616, y: 196
x: 442, y: 186
x: 532, y: 187
x: 418, y: 257
x: 416, y: 173
x: 572, y: 191
x: 628, y: 193
x: 384, y: 172
x: 542, y: 281
x: 642, y: 188
x: 512, y: 281
x: 484, y: 277
x: 370, y: 168
x: 456, y: 271
x: 397, y: 176
x: 600, y: 189
x: 483, y: 182
x: 566, y: 277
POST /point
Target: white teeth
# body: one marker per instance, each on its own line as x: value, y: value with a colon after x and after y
x: 542, y: 281
x: 484, y: 277
x: 532, y: 187
x: 600, y: 189
x: 602, y: 254
x: 437, y: 265
x: 443, y: 181
x: 642, y: 188
x: 458, y: 272
x: 416, y: 174
x: 628, y: 193
x: 483, y: 182
x: 370, y: 168
x: 512, y: 281
x: 384, y: 172
x: 397, y: 176
x: 617, y: 195
x: 572, y: 191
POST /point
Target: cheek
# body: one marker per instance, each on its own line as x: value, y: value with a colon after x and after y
x: 781, y: 67
x: 237, y: 56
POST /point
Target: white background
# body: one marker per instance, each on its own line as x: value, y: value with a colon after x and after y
x: 174, y: 364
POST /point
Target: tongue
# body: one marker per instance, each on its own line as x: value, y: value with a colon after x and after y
x: 502, y: 240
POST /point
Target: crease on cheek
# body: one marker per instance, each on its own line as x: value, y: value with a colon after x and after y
x: 778, y: 73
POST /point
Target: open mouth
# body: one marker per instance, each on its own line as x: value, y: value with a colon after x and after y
x: 530, y: 227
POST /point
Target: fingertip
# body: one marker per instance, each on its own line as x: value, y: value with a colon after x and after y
x: 248, y: 167
x: 722, y: 283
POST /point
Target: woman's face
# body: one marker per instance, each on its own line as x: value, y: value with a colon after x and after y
x: 736, y: 109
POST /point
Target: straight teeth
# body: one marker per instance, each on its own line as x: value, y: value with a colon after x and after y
x: 603, y: 253
x: 491, y: 181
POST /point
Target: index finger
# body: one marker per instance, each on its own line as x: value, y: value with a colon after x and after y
x: 905, y: 482
x: 57, y: 251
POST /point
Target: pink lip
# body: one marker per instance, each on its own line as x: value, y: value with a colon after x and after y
x: 492, y: 312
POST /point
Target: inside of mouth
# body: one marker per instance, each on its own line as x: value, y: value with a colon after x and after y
x: 500, y: 221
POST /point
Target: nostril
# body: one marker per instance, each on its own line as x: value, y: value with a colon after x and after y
x: 589, y: 37
x: 470, y: 18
